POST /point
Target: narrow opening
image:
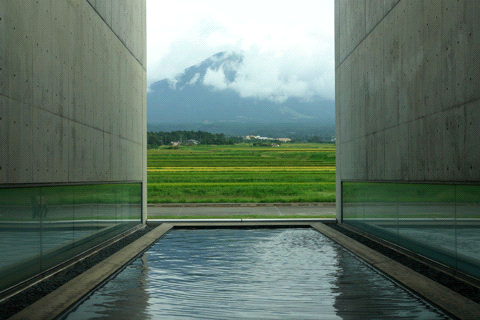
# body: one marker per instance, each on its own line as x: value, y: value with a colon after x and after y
x: 240, y: 108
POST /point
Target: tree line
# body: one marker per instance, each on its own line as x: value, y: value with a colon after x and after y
x: 157, y: 139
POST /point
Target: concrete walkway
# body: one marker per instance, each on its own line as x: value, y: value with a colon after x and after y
x: 241, y: 209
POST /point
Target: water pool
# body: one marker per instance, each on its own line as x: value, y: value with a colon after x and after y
x: 250, y: 274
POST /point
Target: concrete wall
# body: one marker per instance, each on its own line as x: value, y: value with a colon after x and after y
x: 72, y: 91
x: 407, y: 91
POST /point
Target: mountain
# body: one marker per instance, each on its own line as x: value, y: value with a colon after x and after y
x: 186, y: 99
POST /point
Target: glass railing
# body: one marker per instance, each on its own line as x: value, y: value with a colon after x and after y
x: 438, y: 221
x: 41, y: 227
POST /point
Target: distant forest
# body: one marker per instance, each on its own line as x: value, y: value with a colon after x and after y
x: 161, y: 138
x: 156, y: 139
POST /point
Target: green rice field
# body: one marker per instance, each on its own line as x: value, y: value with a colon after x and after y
x: 242, y: 173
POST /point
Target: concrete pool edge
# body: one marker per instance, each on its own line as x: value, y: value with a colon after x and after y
x: 439, y: 295
x: 232, y: 223
x: 55, y: 303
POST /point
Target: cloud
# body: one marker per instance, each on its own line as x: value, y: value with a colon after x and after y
x: 288, y: 49
x: 216, y: 79
x: 194, y: 79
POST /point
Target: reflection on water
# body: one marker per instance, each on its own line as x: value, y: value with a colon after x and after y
x: 250, y: 274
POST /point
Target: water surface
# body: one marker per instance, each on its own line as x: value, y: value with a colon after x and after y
x: 250, y: 274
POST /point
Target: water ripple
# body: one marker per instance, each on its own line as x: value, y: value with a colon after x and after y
x: 251, y: 274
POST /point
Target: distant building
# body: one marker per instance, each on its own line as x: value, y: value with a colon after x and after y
x: 267, y: 138
x: 192, y: 142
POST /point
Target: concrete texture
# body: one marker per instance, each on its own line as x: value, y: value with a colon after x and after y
x: 72, y: 92
x: 407, y: 91
x: 241, y: 210
x: 240, y: 223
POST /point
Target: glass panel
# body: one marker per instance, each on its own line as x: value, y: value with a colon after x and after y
x: 44, y: 226
x: 468, y: 229
x: 353, y: 202
x: 135, y: 203
x: 427, y: 220
x: 124, y: 202
x: 439, y: 221
x: 106, y: 199
x: 381, y: 216
x: 57, y: 230
x: 21, y: 213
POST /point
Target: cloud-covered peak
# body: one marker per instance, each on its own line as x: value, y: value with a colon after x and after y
x: 223, y: 63
x: 264, y: 75
x: 286, y: 48
x: 220, y: 88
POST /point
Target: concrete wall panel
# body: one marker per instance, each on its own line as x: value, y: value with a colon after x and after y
x: 18, y: 54
x: 359, y: 168
x: 392, y: 65
x: 43, y: 146
x: 458, y: 41
x: 65, y: 80
x: 417, y: 134
x: 41, y: 46
x: 375, y: 11
x: 108, y: 156
x: 72, y: 107
x: 430, y: 39
x: 120, y: 16
x: 472, y: 140
x: 388, y: 5
x: 3, y: 44
x: 62, y: 160
x: 408, y: 87
x: 17, y: 123
x: 337, y: 32
x: 393, y: 152
x: 354, y: 124
x: 376, y: 84
x: 454, y: 144
x: 3, y: 138
x: 407, y: 91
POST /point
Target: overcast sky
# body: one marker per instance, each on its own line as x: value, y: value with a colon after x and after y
x: 288, y: 47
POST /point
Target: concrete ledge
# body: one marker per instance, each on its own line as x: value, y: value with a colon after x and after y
x: 444, y: 298
x: 240, y: 222
x: 243, y: 204
x: 53, y: 304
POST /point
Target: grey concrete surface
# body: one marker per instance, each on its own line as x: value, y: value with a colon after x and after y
x: 407, y: 91
x: 72, y: 91
x: 241, y: 210
x: 407, y: 98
